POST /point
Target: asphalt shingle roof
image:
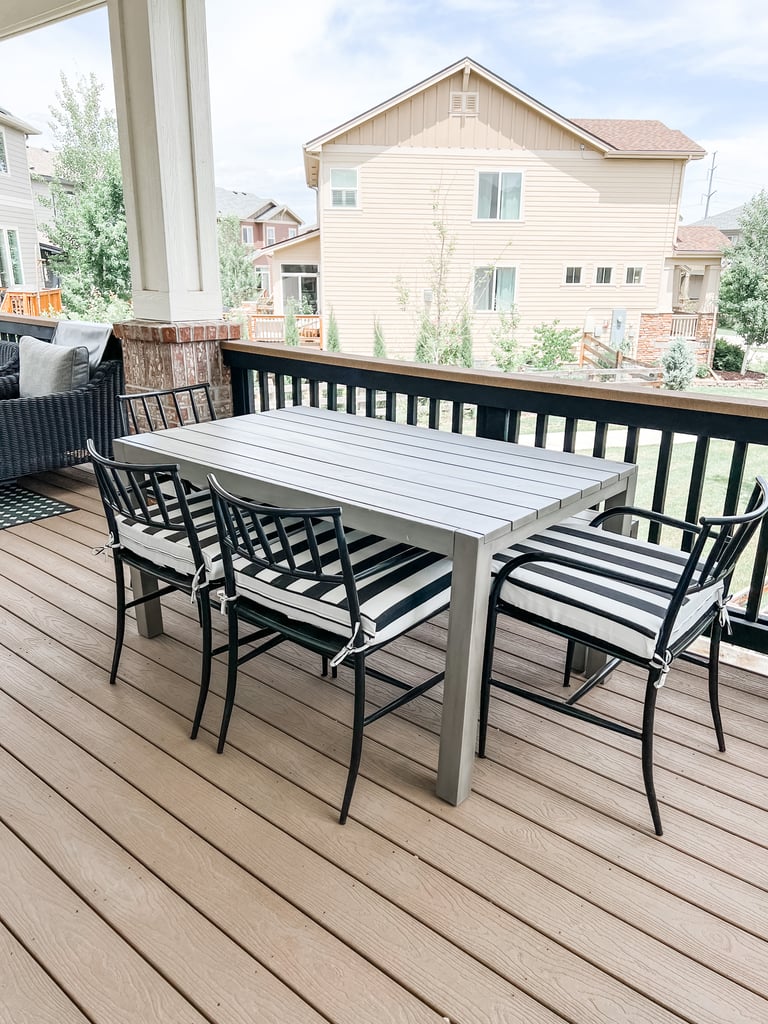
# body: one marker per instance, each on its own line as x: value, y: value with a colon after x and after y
x: 639, y: 136
x: 691, y: 238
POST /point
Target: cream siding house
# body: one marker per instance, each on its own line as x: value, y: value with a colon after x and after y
x: 19, y: 251
x: 465, y: 192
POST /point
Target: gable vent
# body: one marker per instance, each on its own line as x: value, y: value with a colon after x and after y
x: 464, y: 103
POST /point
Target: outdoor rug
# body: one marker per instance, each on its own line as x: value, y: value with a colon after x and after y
x: 18, y: 505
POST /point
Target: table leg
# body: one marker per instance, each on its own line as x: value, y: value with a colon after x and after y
x: 463, y: 666
x: 149, y: 616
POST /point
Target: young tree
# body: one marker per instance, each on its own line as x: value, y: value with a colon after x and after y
x: 332, y: 337
x: 679, y: 365
x: 509, y: 357
x: 552, y: 345
x: 88, y: 223
x: 236, y: 273
x: 744, y: 285
x: 291, y: 326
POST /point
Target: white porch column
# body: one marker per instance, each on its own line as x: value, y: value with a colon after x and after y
x: 160, y: 65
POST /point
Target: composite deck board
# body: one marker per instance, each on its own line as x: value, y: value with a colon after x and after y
x: 543, y: 897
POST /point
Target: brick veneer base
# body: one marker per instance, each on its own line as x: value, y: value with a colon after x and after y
x: 158, y: 355
x: 655, y: 331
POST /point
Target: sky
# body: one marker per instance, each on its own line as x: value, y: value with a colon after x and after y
x: 283, y: 73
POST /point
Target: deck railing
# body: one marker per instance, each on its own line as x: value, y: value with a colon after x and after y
x: 696, y: 454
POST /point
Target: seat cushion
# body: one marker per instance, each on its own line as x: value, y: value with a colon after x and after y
x: 626, y: 617
x: 170, y: 548
x: 47, y: 370
x: 413, y: 586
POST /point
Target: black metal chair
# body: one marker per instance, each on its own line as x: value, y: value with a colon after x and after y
x: 147, y: 411
x: 635, y: 601
x: 340, y: 593
x: 170, y: 536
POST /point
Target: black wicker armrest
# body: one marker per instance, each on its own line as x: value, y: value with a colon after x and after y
x: 9, y: 358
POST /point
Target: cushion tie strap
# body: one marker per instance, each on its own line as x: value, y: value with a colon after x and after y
x: 663, y: 662
x: 197, y: 583
x: 110, y: 544
x: 350, y: 647
x: 725, y: 619
x: 224, y: 600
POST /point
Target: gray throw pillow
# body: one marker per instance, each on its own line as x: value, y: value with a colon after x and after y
x: 45, y: 369
x: 73, y: 333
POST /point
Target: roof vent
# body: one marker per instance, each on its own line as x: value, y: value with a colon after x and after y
x: 464, y: 104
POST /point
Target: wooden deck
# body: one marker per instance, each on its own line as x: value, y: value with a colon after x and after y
x: 146, y: 879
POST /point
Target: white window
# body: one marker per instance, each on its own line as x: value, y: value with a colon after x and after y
x: 573, y: 275
x: 291, y: 232
x: 634, y: 275
x: 603, y: 275
x: 270, y: 236
x: 262, y: 279
x: 494, y: 289
x: 300, y: 286
x: 11, y: 272
x: 3, y: 154
x: 344, y: 187
x: 247, y: 232
x: 464, y: 103
x: 499, y: 195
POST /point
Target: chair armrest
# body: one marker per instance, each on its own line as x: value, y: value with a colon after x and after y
x: 574, y: 563
x: 644, y: 513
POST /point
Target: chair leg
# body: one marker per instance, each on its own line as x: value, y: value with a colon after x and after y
x: 204, y: 613
x: 567, y: 668
x: 324, y: 670
x: 357, y: 736
x: 485, y: 681
x: 714, y: 683
x: 649, y: 710
x: 120, y: 616
x: 229, y: 700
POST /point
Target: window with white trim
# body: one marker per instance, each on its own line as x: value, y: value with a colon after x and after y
x: 344, y: 187
x: 603, y: 275
x: 499, y: 195
x: 270, y: 235
x: 464, y: 104
x: 572, y: 275
x: 291, y: 232
x: 3, y: 154
x: 262, y: 279
x: 247, y: 233
x: 634, y: 275
x: 11, y: 270
x: 493, y: 289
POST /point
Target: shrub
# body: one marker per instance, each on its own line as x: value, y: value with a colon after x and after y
x: 552, y: 346
x: 727, y: 356
x: 379, y: 348
x: 702, y: 371
x: 506, y: 349
x: 679, y: 365
x: 291, y: 327
x: 332, y: 337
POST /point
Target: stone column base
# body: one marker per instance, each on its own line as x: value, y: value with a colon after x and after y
x: 172, y: 355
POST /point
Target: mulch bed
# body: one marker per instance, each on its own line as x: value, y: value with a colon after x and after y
x: 733, y: 375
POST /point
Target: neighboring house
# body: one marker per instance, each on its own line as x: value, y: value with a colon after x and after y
x: 263, y: 222
x: 19, y: 251
x: 575, y: 220
x: 728, y: 222
x: 42, y: 175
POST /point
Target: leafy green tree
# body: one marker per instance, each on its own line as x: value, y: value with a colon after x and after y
x: 236, y: 273
x: 744, y: 284
x: 291, y: 326
x: 379, y: 348
x: 552, y: 346
x: 679, y: 365
x: 332, y: 336
x: 88, y: 223
x: 509, y: 357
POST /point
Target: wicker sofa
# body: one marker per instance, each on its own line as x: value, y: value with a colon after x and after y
x: 49, y: 432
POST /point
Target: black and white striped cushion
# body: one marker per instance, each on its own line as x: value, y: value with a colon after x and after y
x: 626, y: 617
x: 170, y: 547
x: 416, y: 586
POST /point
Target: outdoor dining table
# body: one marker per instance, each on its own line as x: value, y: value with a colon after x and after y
x: 462, y: 496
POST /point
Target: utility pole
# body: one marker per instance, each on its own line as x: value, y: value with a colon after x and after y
x: 710, y: 193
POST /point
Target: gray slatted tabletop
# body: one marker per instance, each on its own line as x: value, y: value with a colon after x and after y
x: 462, y: 496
